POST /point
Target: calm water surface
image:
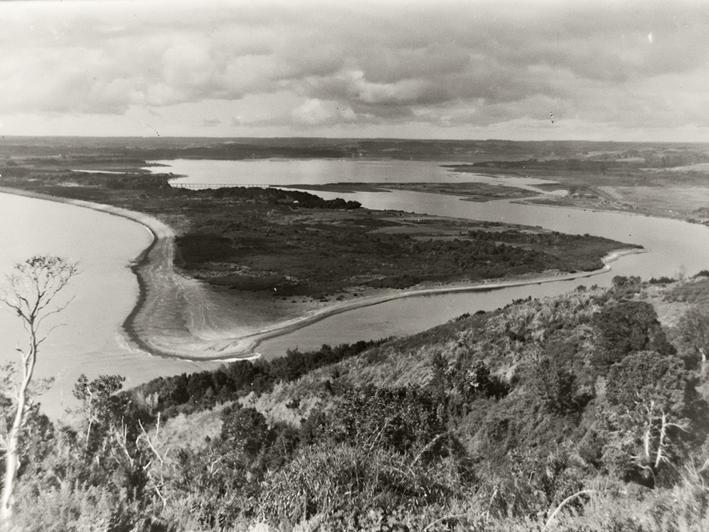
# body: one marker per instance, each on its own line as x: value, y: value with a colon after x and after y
x: 323, y: 171
x: 104, y: 293
x: 104, y: 245
x: 672, y: 247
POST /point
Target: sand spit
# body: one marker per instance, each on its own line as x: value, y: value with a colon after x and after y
x: 180, y: 317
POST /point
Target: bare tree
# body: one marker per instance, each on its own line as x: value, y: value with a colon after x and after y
x: 31, y: 294
x: 655, y: 438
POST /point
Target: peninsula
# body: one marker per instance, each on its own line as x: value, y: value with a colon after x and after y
x: 231, y: 267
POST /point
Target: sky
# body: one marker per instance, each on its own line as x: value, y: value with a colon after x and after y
x: 533, y: 70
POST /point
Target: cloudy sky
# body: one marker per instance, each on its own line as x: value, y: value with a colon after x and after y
x: 428, y: 69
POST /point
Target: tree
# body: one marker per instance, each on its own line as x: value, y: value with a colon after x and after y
x: 99, y: 404
x: 693, y: 339
x: 626, y: 287
x: 627, y: 327
x: 246, y: 430
x: 31, y: 293
x: 652, y: 412
x: 481, y: 382
x: 556, y: 386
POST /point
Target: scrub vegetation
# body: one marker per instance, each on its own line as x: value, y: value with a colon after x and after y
x: 287, y: 243
x: 578, y: 412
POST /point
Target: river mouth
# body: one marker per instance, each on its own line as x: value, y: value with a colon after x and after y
x: 229, y: 345
x: 665, y: 254
x: 86, y: 338
x: 672, y: 247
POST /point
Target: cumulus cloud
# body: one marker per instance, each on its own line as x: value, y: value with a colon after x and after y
x: 305, y: 64
x: 318, y: 112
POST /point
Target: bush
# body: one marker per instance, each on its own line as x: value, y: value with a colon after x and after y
x: 403, y: 420
x: 626, y: 327
x: 343, y: 485
x: 481, y: 383
x: 556, y: 387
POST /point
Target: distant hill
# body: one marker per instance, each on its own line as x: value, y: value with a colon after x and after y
x: 150, y: 148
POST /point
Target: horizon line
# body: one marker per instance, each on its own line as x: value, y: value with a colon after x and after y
x: 301, y: 137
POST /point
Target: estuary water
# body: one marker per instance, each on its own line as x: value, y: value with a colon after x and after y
x: 671, y: 246
x: 91, y: 342
x: 260, y: 172
x: 87, y: 338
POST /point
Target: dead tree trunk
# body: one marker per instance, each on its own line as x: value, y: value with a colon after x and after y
x: 12, y: 451
x: 703, y: 363
x: 32, y: 288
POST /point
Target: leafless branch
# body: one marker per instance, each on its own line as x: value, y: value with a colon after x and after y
x: 121, y: 438
x: 57, y: 310
x: 565, y: 502
x: 427, y: 447
x: 144, y: 436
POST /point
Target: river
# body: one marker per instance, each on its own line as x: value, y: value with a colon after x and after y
x: 104, y: 245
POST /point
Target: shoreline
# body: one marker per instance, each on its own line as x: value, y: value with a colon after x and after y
x: 321, y: 314
x: 243, y: 347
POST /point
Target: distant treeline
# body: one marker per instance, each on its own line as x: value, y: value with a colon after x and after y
x: 63, y: 149
x: 599, y: 163
x: 280, y: 196
x: 55, y: 183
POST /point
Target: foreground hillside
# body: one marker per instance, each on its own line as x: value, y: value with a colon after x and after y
x: 582, y: 412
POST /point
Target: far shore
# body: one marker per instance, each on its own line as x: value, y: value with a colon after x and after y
x: 156, y: 260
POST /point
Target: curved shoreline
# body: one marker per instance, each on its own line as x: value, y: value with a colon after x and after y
x: 135, y: 264
x: 333, y: 310
x: 242, y: 347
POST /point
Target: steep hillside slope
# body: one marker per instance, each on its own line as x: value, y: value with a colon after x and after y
x: 583, y: 412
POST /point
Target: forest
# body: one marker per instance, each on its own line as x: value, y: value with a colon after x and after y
x: 578, y: 412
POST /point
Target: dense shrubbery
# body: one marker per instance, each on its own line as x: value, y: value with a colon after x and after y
x: 628, y: 326
x: 186, y: 393
x: 284, y: 243
x: 204, y: 247
x: 293, y: 198
x: 577, y: 403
